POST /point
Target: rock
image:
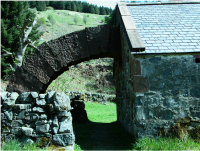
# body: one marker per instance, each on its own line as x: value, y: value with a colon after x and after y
x: 40, y: 102
x: 34, y: 95
x: 55, y: 122
x: 38, y: 110
x: 25, y: 97
x: 42, y: 128
x: 27, y: 140
x: 41, y: 122
x: 16, y: 123
x: 16, y: 130
x: 22, y: 107
x: 63, y: 139
x: 65, y: 125
x: 49, y: 96
x: 43, y: 117
x: 42, y: 96
x: 27, y: 131
x: 55, y: 130
x: 65, y: 114
x: 21, y: 115
x: 8, y: 115
x: 9, y: 99
x: 61, y: 102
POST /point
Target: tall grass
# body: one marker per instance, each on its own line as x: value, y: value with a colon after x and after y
x: 15, y: 144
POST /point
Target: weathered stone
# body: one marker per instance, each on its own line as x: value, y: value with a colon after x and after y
x: 63, y: 139
x: 43, y: 116
x: 34, y: 94
x: 40, y: 102
x: 55, y: 122
x: 42, y: 96
x: 50, y: 108
x: 8, y: 114
x: 42, y: 128
x: 22, y: 107
x: 49, y: 96
x: 25, y: 97
x: 27, y: 131
x: 16, y: 130
x: 78, y: 104
x: 9, y: 99
x: 55, y: 130
x: 38, y: 110
x: 65, y: 113
x: 41, y: 122
x: 21, y: 114
x: 27, y: 140
x: 16, y: 123
x: 61, y: 102
x: 195, y: 92
x: 140, y: 84
x: 66, y: 125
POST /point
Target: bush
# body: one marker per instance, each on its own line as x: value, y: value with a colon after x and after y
x: 85, y: 19
x: 41, y: 21
x: 102, y: 20
x: 51, y: 19
x: 75, y: 19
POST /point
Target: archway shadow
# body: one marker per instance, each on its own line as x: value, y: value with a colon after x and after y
x: 102, y: 136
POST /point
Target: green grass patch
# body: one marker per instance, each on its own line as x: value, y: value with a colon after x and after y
x: 15, y: 144
x: 166, y: 144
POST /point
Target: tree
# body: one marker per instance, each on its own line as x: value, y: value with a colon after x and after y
x: 85, y: 19
x: 41, y: 5
x: 18, y: 30
x: 102, y: 11
x: 75, y: 19
x: 51, y: 19
x: 96, y: 10
x: 91, y: 9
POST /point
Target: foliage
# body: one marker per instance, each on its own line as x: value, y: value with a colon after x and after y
x: 111, y: 18
x: 14, y: 13
x: 41, y: 21
x: 51, y: 19
x: 102, y: 20
x: 15, y: 144
x: 77, y: 6
x: 75, y: 19
x: 85, y: 19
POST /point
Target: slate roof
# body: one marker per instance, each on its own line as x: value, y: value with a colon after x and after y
x: 168, y: 28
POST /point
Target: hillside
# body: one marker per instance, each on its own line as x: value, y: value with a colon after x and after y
x: 94, y: 76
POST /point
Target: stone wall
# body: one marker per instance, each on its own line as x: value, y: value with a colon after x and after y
x: 44, y: 118
x: 153, y: 93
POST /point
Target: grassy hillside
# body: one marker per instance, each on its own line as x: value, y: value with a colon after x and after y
x: 64, y: 22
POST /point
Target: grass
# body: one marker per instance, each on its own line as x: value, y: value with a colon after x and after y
x: 64, y: 22
x: 14, y: 144
x: 166, y: 144
x: 103, y: 132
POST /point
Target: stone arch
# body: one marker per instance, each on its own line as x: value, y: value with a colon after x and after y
x: 54, y: 57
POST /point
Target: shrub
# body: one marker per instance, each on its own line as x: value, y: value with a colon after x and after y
x: 51, y: 19
x: 41, y: 21
x: 102, y: 20
x: 75, y: 19
x: 85, y: 19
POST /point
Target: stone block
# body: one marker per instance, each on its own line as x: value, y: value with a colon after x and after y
x: 17, y: 123
x: 55, y: 130
x: 25, y: 97
x: 61, y: 102
x: 38, y: 110
x: 34, y: 95
x: 40, y: 102
x: 42, y: 128
x: 21, y: 114
x: 65, y: 114
x: 50, y: 96
x: 27, y: 131
x: 22, y: 107
x: 63, y: 139
x: 140, y: 84
x: 43, y: 117
x: 195, y: 92
x: 65, y: 125
x: 55, y: 122
x: 16, y: 130
x: 8, y: 115
x: 50, y: 108
x: 42, y: 96
x: 41, y: 122
x: 9, y: 99
x: 27, y: 140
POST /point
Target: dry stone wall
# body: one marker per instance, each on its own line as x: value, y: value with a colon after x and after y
x: 41, y: 118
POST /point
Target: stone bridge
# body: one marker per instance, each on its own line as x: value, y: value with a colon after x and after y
x: 54, y: 57
x: 156, y: 53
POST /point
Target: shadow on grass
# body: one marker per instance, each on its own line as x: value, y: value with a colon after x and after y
x: 102, y: 136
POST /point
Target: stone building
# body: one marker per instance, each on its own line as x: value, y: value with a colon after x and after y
x: 158, y: 80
